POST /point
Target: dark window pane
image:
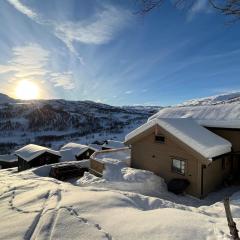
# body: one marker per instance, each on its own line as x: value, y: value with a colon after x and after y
x: 160, y: 138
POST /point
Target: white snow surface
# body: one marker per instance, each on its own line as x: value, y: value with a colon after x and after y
x: 32, y: 151
x: 37, y: 207
x: 188, y: 131
x: 113, y: 144
x: 70, y: 150
x: 8, y: 158
x: 222, y: 115
x: 121, y: 154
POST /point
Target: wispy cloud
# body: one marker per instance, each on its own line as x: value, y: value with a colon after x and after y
x: 198, y: 7
x: 24, y: 9
x: 30, y: 63
x: 64, y: 80
x: 99, y: 29
x: 129, y: 92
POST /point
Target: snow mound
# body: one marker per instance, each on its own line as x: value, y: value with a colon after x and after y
x: 118, y: 176
x: 136, y: 175
x: 122, y: 154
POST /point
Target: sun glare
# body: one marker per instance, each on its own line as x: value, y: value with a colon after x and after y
x: 27, y: 90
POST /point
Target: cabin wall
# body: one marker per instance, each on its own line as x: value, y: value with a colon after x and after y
x: 232, y: 135
x: 5, y: 164
x: 45, y: 158
x: 215, y: 173
x: 157, y: 157
x: 22, y: 164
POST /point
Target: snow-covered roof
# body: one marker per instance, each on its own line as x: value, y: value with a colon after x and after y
x: 8, y: 158
x: 31, y: 151
x: 113, y: 144
x: 222, y: 115
x: 188, y: 131
x: 121, y: 154
x: 70, y: 150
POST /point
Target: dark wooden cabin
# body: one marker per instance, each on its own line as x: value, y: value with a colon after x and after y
x: 33, y: 155
x: 43, y: 159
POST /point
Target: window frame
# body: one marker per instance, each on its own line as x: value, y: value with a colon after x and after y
x: 183, y: 165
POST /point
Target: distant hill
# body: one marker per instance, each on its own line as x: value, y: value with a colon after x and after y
x: 55, y: 122
x: 6, y: 99
x: 213, y: 100
x: 224, y: 109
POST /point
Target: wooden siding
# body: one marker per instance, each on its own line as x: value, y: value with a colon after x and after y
x: 157, y: 157
x: 43, y: 159
x: 97, y: 166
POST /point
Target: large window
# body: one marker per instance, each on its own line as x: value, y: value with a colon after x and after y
x: 178, y: 166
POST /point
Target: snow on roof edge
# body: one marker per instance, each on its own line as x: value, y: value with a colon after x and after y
x: 31, y: 151
x: 222, y: 145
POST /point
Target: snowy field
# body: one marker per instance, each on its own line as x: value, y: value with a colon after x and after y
x: 36, y: 207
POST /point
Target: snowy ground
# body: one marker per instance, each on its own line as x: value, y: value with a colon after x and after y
x: 36, y: 207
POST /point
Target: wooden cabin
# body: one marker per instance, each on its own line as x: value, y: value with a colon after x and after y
x: 34, y: 155
x: 181, y: 149
x: 76, y: 152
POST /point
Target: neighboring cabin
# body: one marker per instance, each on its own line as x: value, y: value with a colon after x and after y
x: 111, y: 144
x: 181, y: 148
x: 76, y: 151
x: 34, y: 155
x: 8, y: 161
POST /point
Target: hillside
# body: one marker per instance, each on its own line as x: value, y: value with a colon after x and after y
x: 220, y: 110
x: 54, y: 122
x: 231, y: 97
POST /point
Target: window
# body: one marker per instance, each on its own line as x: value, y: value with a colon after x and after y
x: 178, y: 166
x: 159, y: 138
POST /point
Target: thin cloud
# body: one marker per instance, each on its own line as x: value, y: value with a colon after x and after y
x: 64, y: 80
x: 30, y: 63
x: 99, y: 29
x: 24, y: 9
x: 129, y: 92
x: 198, y: 7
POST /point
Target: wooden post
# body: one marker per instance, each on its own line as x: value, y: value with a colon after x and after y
x: 231, y: 223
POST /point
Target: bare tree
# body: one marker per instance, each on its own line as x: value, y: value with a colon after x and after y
x: 226, y: 7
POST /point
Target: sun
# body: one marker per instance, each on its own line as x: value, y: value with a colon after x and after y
x: 27, y: 90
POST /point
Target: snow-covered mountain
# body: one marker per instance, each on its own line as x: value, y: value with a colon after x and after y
x: 6, y: 99
x: 55, y: 122
x: 213, y: 100
x: 221, y: 110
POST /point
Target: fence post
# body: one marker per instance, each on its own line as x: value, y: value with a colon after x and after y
x: 231, y: 223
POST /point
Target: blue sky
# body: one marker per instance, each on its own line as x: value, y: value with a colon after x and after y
x: 101, y: 51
